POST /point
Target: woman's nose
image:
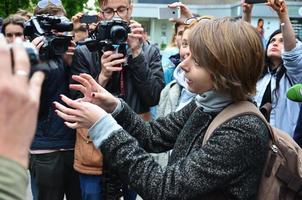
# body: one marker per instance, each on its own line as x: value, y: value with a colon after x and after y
x: 184, y: 65
x: 187, y: 54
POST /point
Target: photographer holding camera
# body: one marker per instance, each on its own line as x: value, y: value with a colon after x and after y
x: 52, y: 150
x: 127, y: 67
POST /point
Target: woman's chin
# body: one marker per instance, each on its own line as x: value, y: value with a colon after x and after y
x: 191, y: 89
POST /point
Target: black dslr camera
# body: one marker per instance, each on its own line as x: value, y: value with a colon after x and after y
x: 109, y: 36
x: 44, y: 25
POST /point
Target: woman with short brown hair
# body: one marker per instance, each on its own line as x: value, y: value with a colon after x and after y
x: 229, y: 63
x: 229, y: 165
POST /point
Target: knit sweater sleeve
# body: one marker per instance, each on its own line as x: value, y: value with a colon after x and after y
x: 235, y: 154
x: 158, y: 135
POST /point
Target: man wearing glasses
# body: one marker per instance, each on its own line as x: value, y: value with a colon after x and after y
x: 139, y: 83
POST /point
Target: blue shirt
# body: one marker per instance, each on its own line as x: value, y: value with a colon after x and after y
x: 284, y: 112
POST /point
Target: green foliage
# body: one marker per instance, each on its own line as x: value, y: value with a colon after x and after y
x: 73, y: 6
x: 8, y: 7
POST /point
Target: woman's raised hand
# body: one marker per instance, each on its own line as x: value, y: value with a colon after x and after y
x: 94, y: 93
x: 79, y: 114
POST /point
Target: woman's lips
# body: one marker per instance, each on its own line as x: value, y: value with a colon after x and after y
x: 274, y: 49
x: 188, y: 81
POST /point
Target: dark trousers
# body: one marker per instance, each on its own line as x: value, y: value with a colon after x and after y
x: 91, y: 187
x: 52, y: 176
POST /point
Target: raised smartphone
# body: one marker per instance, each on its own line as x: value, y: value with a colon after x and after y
x: 167, y: 13
x: 89, y: 19
x: 255, y: 1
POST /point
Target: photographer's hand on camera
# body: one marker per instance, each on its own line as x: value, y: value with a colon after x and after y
x: 76, y: 19
x: 135, y: 38
x: 110, y: 62
x: 38, y: 42
x: 69, y: 53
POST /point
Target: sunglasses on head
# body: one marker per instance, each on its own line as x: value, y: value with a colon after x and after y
x: 191, y: 21
x: 45, y: 3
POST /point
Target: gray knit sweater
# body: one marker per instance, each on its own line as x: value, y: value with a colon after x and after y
x: 231, y: 162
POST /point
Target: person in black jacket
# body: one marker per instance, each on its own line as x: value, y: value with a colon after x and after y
x: 139, y: 83
x: 52, y: 150
x: 143, y: 76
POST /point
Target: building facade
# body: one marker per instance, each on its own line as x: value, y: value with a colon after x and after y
x: 160, y: 30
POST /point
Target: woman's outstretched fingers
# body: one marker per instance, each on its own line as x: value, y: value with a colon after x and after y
x: 74, y: 125
x: 66, y: 117
x: 71, y: 103
x: 78, y: 87
x: 66, y: 110
x: 92, y: 82
x: 81, y: 80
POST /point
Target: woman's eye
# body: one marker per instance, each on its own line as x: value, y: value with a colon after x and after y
x: 184, y: 45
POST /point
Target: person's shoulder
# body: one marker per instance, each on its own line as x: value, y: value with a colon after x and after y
x: 82, y: 49
x: 150, y: 47
x: 249, y: 124
x: 173, y: 86
x: 83, y: 53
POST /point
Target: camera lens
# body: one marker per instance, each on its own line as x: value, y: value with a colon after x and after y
x: 59, y: 45
x: 32, y: 53
x: 118, y: 34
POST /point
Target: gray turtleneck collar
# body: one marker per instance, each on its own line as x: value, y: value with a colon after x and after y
x: 213, y: 101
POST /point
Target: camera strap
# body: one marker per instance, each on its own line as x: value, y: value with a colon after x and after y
x: 122, y: 83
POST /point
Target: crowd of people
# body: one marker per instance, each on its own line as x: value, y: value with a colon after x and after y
x: 83, y: 125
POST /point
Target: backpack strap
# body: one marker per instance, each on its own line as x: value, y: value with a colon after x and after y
x: 291, y: 180
x: 232, y: 111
